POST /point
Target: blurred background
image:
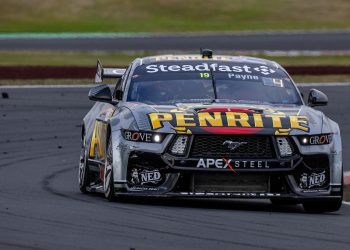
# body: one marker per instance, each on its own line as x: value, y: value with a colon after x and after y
x: 310, y: 38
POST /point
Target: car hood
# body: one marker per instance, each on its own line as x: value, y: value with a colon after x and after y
x: 225, y: 118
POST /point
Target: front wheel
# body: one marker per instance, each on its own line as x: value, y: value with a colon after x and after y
x: 323, y: 206
x: 108, y: 183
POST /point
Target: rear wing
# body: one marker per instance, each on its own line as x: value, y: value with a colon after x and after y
x: 107, y: 72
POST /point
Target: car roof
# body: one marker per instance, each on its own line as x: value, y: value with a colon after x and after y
x: 199, y: 58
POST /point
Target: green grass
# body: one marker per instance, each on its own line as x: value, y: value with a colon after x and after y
x: 63, y: 58
x: 171, y: 15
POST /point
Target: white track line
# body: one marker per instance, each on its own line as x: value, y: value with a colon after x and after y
x: 330, y: 84
x: 347, y: 173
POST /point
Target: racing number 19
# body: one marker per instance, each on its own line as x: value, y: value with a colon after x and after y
x: 204, y: 75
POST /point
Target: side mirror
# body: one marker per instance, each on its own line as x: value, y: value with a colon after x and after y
x: 101, y: 93
x: 317, y: 98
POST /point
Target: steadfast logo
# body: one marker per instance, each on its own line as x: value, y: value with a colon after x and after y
x: 154, y: 68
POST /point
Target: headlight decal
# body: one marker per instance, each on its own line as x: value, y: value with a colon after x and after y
x: 138, y: 136
x: 321, y: 139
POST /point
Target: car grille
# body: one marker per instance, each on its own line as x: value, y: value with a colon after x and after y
x: 228, y: 182
x: 213, y: 146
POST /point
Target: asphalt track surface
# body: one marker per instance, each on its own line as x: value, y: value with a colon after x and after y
x: 41, y: 206
x: 309, y: 41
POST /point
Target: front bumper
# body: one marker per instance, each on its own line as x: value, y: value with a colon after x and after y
x: 177, y: 174
x: 188, y: 181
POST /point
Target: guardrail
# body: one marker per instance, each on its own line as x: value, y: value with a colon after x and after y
x: 53, y: 72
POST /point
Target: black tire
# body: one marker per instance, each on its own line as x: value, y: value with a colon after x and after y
x: 109, y: 187
x: 83, y: 172
x: 324, y: 206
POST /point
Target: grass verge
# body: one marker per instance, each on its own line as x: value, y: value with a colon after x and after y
x: 171, y: 15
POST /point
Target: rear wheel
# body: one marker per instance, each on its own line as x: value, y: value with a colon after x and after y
x: 83, y: 168
x: 108, y: 183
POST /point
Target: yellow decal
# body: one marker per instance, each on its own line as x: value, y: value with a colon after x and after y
x: 182, y: 130
x: 98, y: 141
x: 205, y: 118
x: 236, y: 117
x: 184, y: 120
x: 181, y: 121
x: 283, y: 131
x: 258, y: 122
x: 276, y: 120
x: 157, y: 118
x: 299, y: 122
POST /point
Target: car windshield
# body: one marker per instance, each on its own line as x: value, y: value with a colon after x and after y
x: 196, y: 81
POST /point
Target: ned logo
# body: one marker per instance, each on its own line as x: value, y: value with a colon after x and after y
x: 233, y: 145
x: 312, y: 180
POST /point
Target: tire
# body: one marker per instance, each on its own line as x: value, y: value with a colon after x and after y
x: 324, y: 206
x: 83, y: 174
x: 108, y: 183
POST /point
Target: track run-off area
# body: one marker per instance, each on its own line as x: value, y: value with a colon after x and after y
x: 337, y: 40
x: 41, y: 206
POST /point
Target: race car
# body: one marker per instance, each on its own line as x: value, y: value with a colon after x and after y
x: 207, y: 126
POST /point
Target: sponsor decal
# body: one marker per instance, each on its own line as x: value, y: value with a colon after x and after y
x: 206, y: 67
x: 320, y: 139
x: 98, y: 140
x: 242, y: 77
x: 232, y: 194
x: 144, y: 188
x: 138, y: 136
x: 232, y: 145
x: 243, y: 122
x: 145, y: 177
x: 231, y: 164
x: 308, y: 181
x: 142, y: 136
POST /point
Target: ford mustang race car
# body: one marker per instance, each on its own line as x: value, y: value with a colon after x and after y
x: 213, y: 127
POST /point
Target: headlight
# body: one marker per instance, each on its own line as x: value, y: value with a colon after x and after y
x: 284, y: 146
x: 179, y: 145
x: 321, y: 139
x: 138, y: 136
